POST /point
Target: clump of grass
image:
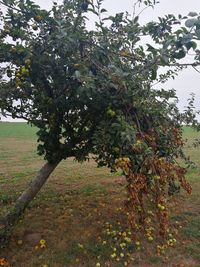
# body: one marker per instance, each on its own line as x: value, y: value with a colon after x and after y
x: 91, y: 189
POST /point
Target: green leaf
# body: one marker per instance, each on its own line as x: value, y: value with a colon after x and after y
x: 179, y: 55
x: 187, y: 38
x: 178, y: 32
x: 190, y: 45
x: 103, y: 10
x: 197, y: 32
x: 93, y: 11
x: 193, y: 14
x: 151, y: 49
x: 136, y: 19
x: 197, y: 24
x: 194, y: 44
x: 154, y: 73
x: 190, y: 23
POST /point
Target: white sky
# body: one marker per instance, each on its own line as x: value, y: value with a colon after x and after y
x: 189, y: 80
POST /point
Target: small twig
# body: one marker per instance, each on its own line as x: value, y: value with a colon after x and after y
x: 155, y: 84
x: 185, y: 64
x: 196, y: 69
x: 142, y: 11
x: 129, y: 56
x: 138, y: 123
x: 134, y: 9
x: 11, y: 7
x: 16, y: 116
x: 100, y: 68
x: 17, y: 9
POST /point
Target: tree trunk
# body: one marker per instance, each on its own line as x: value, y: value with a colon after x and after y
x: 11, y: 219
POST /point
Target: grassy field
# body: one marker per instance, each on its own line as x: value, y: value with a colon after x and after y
x: 17, y: 130
x: 66, y: 224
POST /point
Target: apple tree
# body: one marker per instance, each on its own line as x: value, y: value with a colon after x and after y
x: 91, y: 92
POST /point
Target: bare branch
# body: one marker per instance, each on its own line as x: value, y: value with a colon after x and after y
x: 195, y: 64
x: 196, y: 69
x: 11, y: 7
x: 134, y: 9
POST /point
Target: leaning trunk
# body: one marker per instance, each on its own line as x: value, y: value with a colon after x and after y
x: 23, y: 201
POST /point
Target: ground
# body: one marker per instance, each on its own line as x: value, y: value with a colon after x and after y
x: 75, y: 218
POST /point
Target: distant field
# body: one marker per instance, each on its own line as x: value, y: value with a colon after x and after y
x: 190, y: 133
x: 17, y: 130
x: 23, y: 130
x: 78, y: 205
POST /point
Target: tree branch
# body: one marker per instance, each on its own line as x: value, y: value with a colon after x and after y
x: 196, y: 69
x: 12, y: 7
x: 185, y: 64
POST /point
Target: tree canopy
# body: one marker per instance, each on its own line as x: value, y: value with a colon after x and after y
x: 91, y: 92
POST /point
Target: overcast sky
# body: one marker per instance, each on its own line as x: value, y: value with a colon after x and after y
x: 189, y: 80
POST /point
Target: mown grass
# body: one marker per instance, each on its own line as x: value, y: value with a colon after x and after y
x: 18, y: 130
x: 76, y: 207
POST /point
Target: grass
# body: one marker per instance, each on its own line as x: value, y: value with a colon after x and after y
x: 76, y: 207
x: 17, y: 130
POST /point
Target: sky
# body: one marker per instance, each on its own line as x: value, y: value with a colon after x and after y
x: 188, y: 80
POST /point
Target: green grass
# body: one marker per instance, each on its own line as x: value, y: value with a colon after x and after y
x: 23, y: 130
x: 18, y: 130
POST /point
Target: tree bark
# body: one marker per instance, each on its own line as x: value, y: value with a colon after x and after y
x: 11, y: 219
